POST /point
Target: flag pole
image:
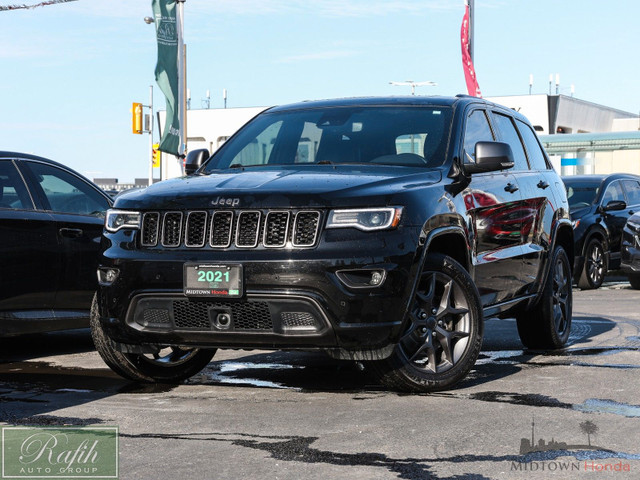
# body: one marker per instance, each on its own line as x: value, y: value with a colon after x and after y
x: 471, y: 27
x: 181, y: 80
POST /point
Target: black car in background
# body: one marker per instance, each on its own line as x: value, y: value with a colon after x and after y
x: 51, y: 220
x: 381, y: 230
x: 600, y: 206
x: 630, y: 252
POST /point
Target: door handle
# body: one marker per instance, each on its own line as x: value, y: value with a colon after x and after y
x: 542, y: 184
x: 511, y: 188
x: 71, y: 232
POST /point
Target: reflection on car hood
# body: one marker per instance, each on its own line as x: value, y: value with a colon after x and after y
x: 579, y: 212
x: 284, y: 186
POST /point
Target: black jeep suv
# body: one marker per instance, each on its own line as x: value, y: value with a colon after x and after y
x: 381, y: 230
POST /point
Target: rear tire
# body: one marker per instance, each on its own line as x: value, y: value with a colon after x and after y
x: 169, y: 365
x: 548, y: 324
x: 634, y: 280
x: 443, y: 339
x: 595, y: 266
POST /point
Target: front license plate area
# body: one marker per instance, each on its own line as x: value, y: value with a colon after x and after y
x: 213, y: 280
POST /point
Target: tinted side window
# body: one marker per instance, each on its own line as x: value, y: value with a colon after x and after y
x: 67, y: 193
x: 476, y: 130
x: 534, y: 150
x: 613, y: 192
x: 13, y: 192
x: 633, y: 191
x: 508, y: 134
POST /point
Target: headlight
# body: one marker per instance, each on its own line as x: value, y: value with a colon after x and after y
x: 633, y: 225
x: 366, y: 219
x: 117, y: 219
x: 575, y: 223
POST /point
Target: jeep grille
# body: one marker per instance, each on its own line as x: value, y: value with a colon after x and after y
x: 231, y: 228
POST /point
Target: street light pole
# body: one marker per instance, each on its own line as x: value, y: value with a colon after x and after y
x: 151, y: 134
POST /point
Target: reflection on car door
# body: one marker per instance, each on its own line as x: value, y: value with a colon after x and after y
x: 492, y: 201
x: 29, y: 254
x: 614, y: 221
x: 78, y: 210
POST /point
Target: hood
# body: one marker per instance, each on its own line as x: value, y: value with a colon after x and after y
x: 577, y: 213
x: 283, y: 187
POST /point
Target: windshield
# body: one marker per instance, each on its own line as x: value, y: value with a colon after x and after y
x: 404, y: 136
x: 581, y: 194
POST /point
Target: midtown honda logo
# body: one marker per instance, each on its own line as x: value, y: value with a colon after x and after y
x: 541, y: 455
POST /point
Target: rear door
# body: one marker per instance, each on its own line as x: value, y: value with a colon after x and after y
x: 78, y: 208
x: 492, y: 201
x: 29, y: 254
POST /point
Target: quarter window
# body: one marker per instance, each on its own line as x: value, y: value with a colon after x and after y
x: 508, y: 134
x: 476, y: 130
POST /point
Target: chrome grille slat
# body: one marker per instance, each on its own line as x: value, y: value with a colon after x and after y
x: 305, y: 228
x: 276, y: 229
x: 248, y: 229
x: 224, y: 229
x: 196, y: 229
x: 172, y: 229
x: 221, y: 229
x: 150, y: 227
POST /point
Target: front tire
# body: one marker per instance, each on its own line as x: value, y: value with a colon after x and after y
x: 443, y: 339
x: 170, y: 364
x: 547, y: 324
x: 595, y: 266
x: 634, y: 280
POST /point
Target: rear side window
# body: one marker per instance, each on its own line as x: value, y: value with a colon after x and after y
x: 13, y: 193
x: 508, y: 134
x: 534, y: 150
x: 67, y: 193
x: 476, y: 130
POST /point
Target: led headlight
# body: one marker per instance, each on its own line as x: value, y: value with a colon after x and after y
x: 633, y: 225
x: 366, y: 219
x: 117, y: 219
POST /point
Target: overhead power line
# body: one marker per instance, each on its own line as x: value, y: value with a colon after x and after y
x: 41, y: 4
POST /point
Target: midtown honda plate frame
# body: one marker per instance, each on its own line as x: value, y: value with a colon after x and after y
x: 213, y: 280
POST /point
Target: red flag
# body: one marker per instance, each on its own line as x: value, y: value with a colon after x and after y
x: 467, y: 64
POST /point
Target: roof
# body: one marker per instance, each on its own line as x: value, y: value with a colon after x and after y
x: 599, y: 177
x: 592, y: 142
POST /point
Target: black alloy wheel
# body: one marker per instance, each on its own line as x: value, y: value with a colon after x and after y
x: 547, y: 324
x: 444, y: 334
x: 595, y: 266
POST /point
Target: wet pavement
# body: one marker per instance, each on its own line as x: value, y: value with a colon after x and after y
x: 293, y: 415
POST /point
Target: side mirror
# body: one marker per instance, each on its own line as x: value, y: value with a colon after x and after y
x: 195, y: 159
x: 614, y: 206
x: 491, y: 157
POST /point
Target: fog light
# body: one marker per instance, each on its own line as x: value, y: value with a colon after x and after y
x: 364, y: 278
x: 376, y: 278
x: 106, y: 276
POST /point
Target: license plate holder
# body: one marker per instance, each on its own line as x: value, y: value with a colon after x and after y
x: 213, y: 280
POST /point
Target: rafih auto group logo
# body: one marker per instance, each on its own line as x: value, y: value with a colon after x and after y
x: 59, y: 452
x: 544, y: 455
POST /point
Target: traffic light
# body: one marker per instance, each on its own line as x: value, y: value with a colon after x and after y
x: 136, y: 118
x: 156, y: 155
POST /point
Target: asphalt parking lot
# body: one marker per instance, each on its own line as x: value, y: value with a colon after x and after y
x: 290, y: 415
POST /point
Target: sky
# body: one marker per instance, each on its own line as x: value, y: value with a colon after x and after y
x: 69, y: 72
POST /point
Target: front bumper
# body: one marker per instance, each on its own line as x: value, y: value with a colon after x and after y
x: 293, y: 299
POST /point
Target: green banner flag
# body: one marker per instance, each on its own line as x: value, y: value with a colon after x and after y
x: 164, y: 12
